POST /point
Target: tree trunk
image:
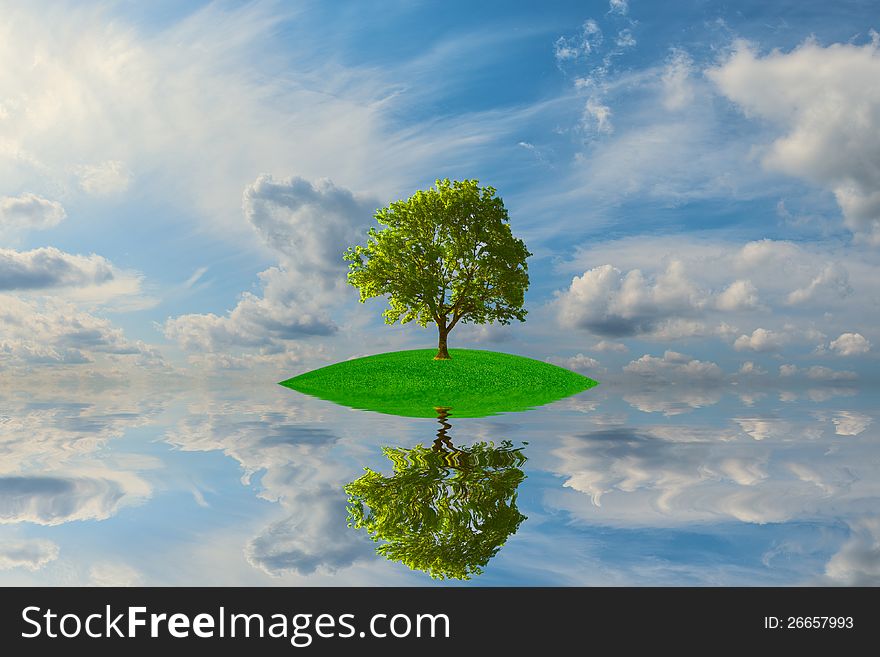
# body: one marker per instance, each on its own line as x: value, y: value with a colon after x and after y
x: 442, y: 353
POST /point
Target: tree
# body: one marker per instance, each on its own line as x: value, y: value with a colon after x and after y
x: 443, y: 511
x: 446, y: 255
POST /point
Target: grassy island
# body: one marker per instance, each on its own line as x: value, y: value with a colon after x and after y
x: 472, y: 383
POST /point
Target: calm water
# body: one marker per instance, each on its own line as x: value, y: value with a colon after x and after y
x: 624, y: 484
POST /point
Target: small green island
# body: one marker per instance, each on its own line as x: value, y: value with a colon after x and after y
x: 472, y: 383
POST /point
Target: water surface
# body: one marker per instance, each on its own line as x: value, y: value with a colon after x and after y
x: 625, y: 484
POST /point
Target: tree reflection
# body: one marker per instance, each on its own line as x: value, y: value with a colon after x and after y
x: 446, y: 510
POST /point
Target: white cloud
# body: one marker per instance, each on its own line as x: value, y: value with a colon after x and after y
x: 609, y: 303
x: 90, y: 280
x: 596, y: 112
x: 738, y: 292
x: 761, y: 340
x: 625, y: 39
x: 50, y: 268
x: 751, y: 369
x: 618, y: 7
x: 31, y: 554
x: 265, y: 322
x: 827, y: 105
x: 53, y: 331
x: 739, y: 295
x: 308, y: 227
x: 104, y: 179
x: 571, y: 48
x: 565, y: 50
x: 29, y: 212
x: 850, y: 344
x: 833, y: 279
x: 857, y: 563
x: 578, y: 363
x: 678, y: 88
x: 607, y: 346
x: 101, y: 106
x: 761, y: 253
x: 674, y: 365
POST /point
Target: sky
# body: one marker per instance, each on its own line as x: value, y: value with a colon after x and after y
x: 698, y: 182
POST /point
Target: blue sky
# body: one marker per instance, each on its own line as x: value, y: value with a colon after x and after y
x: 699, y: 181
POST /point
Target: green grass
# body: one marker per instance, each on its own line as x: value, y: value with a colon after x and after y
x: 411, y: 383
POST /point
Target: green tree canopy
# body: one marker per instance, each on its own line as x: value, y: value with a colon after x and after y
x: 442, y: 512
x: 446, y: 255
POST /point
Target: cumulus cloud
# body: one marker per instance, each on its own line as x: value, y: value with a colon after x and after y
x: 52, y: 331
x: 29, y: 212
x: 31, y: 554
x: 264, y: 322
x: 833, y: 280
x: 764, y: 296
x: 850, y: 344
x: 50, y: 268
x: 676, y: 366
x: 91, y: 279
x: 826, y: 104
x: 308, y: 224
x: 761, y: 340
x: 308, y: 227
x: 609, y: 303
x: 761, y: 253
x: 578, y: 363
x: 739, y: 295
